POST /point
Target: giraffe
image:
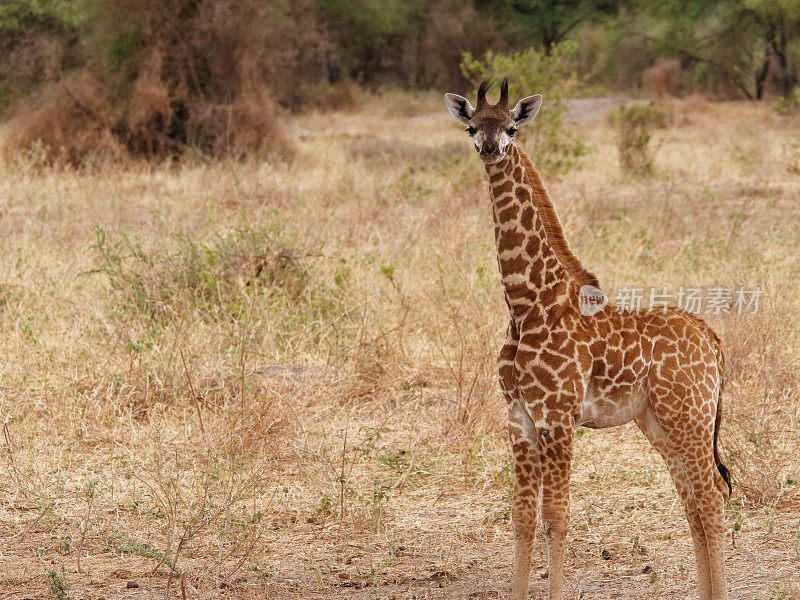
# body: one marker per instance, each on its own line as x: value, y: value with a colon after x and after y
x: 566, y: 363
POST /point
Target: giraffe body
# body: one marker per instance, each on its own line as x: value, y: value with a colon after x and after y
x: 560, y: 368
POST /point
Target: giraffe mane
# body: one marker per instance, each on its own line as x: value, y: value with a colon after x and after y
x: 553, y: 228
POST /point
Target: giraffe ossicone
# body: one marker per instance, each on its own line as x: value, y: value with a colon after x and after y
x: 572, y: 359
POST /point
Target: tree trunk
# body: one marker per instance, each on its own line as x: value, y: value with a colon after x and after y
x: 786, y: 76
x: 761, y: 74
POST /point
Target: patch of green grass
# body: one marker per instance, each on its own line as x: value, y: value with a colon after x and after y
x: 58, y: 586
x: 123, y: 543
x: 777, y: 593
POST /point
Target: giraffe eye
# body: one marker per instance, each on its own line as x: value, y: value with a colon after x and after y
x: 470, y: 130
x: 511, y: 131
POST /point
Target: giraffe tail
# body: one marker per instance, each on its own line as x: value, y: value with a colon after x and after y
x: 723, y: 470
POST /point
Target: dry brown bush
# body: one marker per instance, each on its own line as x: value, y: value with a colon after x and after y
x: 341, y: 96
x: 31, y: 57
x: 176, y: 77
x: 450, y: 29
x: 663, y: 78
x: 249, y: 123
x: 207, y: 76
x: 149, y: 109
x: 68, y: 123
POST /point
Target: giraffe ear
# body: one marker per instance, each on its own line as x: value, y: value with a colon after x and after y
x: 526, y: 109
x: 459, y: 107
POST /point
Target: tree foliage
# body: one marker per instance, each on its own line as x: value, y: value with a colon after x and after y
x: 736, y: 41
x: 368, y: 30
x: 17, y: 15
x: 548, y: 22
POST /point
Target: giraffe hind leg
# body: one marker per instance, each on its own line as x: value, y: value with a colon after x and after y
x: 710, y: 501
x: 654, y: 433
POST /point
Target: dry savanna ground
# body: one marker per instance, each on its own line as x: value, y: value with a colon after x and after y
x: 276, y: 380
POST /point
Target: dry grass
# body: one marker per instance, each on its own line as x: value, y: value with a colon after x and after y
x: 254, y: 380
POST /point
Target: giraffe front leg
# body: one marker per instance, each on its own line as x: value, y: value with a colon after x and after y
x: 527, y: 472
x: 527, y: 480
x: 555, y: 451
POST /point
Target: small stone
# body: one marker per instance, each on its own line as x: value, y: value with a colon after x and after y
x: 646, y: 569
x: 131, y: 585
x: 606, y: 554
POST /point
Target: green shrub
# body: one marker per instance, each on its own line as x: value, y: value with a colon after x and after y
x: 58, y: 587
x: 213, y: 274
x: 529, y: 72
x: 789, y: 104
x: 635, y: 124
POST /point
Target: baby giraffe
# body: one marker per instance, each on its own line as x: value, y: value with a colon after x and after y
x: 570, y: 363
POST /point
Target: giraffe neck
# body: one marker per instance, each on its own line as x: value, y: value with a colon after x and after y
x: 533, y: 267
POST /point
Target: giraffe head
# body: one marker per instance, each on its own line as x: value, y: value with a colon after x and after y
x: 492, y: 126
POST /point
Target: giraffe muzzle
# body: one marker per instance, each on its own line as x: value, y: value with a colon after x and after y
x: 490, y: 156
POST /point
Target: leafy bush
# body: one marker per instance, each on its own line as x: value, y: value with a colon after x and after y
x: 532, y: 71
x: 635, y: 124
